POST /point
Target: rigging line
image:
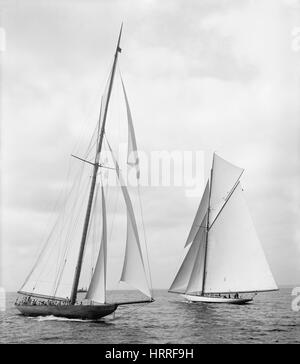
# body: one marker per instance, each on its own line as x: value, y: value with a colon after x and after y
x: 75, y: 204
x: 83, y: 135
x: 63, y: 223
x: 94, y: 134
x: 45, y: 245
x: 119, y: 111
x: 114, y: 213
x: 92, y: 143
x: 67, y: 227
x: 61, y: 218
x: 92, y: 233
x: 99, y: 121
x: 43, y: 268
x: 225, y: 203
x: 145, y: 238
x: 66, y: 245
x: 104, y: 85
x: 115, y: 203
x: 47, y: 240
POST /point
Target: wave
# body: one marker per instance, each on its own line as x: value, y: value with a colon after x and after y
x: 62, y: 319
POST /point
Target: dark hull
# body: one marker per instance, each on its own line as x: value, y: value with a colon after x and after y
x: 82, y: 312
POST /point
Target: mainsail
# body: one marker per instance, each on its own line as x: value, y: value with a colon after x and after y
x: 235, y: 259
x: 52, y: 274
x: 225, y: 255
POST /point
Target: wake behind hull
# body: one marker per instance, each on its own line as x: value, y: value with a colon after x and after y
x: 207, y: 299
x: 82, y: 312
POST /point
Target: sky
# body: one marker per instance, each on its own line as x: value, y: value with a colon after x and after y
x: 209, y: 75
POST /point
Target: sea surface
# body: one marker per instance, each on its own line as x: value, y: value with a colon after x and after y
x: 270, y: 319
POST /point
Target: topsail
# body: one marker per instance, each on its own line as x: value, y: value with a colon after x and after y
x: 224, y: 178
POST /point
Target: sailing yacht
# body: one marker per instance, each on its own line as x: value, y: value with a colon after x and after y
x: 52, y: 286
x: 225, y: 262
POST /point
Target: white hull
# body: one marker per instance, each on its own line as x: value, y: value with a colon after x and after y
x: 207, y: 299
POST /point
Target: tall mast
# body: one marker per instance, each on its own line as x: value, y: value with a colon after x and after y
x: 94, y: 178
x: 207, y: 226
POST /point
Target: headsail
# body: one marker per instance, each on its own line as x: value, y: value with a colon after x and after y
x: 235, y: 258
x: 202, y: 210
x: 186, y: 277
x: 132, y: 154
x: 97, y: 288
x: 196, y: 279
x: 133, y: 272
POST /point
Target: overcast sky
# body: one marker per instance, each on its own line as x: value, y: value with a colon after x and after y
x: 200, y: 75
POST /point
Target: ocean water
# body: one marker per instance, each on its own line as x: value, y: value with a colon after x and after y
x: 270, y: 319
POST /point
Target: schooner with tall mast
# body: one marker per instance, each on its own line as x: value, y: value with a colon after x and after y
x: 47, y: 293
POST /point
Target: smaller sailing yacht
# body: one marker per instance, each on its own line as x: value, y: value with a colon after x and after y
x: 52, y: 286
x: 225, y: 262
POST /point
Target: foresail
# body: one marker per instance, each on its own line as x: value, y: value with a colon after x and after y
x: 224, y: 177
x: 133, y: 272
x: 196, y: 279
x: 235, y: 258
x: 132, y: 155
x: 202, y: 210
x: 183, y: 275
x: 190, y: 265
x: 97, y: 288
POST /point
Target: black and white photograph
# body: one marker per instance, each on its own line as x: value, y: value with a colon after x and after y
x: 150, y: 174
